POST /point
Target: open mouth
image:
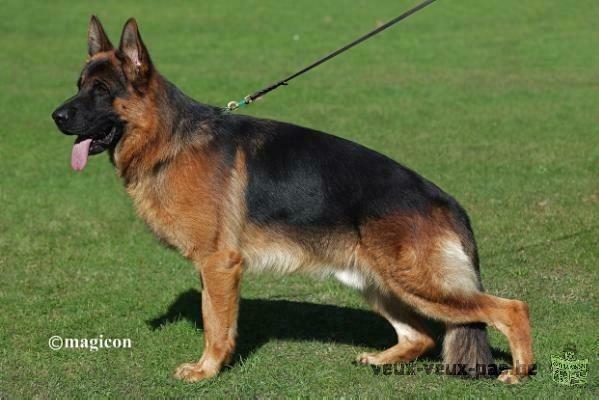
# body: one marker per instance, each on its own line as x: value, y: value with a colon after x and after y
x: 86, y: 146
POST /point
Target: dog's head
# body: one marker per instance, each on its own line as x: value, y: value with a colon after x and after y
x: 109, y: 80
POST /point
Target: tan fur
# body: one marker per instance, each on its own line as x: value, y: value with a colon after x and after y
x: 413, y: 338
x: 194, y: 206
x: 404, y: 251
x: 287, y: 250
x: 221, y: 276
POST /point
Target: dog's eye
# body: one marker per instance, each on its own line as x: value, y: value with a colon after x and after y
x: 101, y: 89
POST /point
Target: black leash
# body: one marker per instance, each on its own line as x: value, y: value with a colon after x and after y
x: 233, y: 105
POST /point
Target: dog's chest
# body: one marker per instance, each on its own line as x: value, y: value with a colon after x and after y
x: 179, y: 210
x: 153, y: 210
x: 150, y: 199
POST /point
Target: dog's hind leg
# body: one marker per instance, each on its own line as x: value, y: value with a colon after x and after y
x: 413, y: 338
x: 510, y: 317
x: 221, y: 276
x: 429, y: 265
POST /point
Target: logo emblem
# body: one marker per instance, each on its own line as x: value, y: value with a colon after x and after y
x: 568, y: 371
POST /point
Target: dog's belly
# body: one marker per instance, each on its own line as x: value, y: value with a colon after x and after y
x: 281, y: 260
x: 318, y: 254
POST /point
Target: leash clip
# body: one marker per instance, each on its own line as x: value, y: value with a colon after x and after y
x: 234, y: 105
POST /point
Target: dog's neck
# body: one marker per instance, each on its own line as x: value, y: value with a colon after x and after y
x: 183, y: 114
x: 158, y: 122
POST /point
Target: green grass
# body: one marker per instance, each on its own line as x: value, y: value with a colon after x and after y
x: 495, y: 101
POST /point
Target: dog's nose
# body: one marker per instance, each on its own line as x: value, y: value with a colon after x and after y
x: 62, y: 115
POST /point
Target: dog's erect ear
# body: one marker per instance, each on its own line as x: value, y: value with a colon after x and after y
x: 97, y: 41
x: 135, y: 50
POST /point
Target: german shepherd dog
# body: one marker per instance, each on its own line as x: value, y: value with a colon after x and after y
x: 233, y: 192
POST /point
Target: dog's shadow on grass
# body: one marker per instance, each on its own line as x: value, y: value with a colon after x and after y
x: 263, y: 320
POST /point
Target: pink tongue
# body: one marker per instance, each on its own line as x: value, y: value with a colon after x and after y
x: 79, y: 154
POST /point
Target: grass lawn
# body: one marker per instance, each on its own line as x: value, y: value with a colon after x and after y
x: 495, y: 101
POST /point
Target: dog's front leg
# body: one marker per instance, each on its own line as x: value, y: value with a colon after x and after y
x: 221, y: 276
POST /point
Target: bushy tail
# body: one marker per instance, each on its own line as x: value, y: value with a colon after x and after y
x: 466, y: 351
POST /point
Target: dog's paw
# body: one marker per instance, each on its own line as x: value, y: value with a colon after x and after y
x: 367, y: 359
x: 192, y: 372
x: 509, y: 378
